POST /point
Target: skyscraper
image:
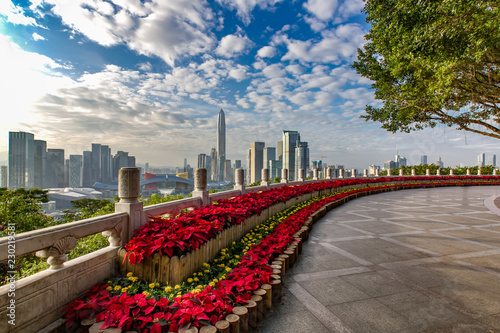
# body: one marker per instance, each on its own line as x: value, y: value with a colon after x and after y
x: 248, y: 174
x: 481, y: 159
x: 75, y: 170
x: 221, y: 145
x: 257, y: 161
x: 269, y: 154
x: 492, y: 160
x: 202, y: 161
x: 279, y: 151
x: 290, y: 139
x: 4, y: 174
x: 301, y: 158
x: 21, y: 160
x: 55, y: 168
x: 423, y: 159
x: 213, y: 164
x: 87, y: 169
x: 96, y: 163
x: 40, y: 160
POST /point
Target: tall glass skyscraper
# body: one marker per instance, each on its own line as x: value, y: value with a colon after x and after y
x: 290, y: 139
x: 21, y: 160
x: 221, y: 145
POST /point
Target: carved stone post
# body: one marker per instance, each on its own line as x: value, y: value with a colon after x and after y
x: 365, y: 172
x: 301, y: 175
x: 315, y: 174
x: 401, y: 172
x: 284, y: 176
x: 413, y: 172
x: 265, y: 177
x: 239, y: 178
x: 451, y: 172
x: 128, y: 192
x: 377, y: 173
x: 353, y: 173
x: 388, y: 172
x: 438, y: 172
x: 468, y: 172
x: 341, y: 173
x: 200, y: 186
x: 494, y: 172
x: 427, y: 172
x: 328, y: 173
x: 479, y: 171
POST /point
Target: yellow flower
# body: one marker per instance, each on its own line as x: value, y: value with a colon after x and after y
x: 124, y: 290
x: 206, y: 271
x: 151, y: 285
x: 177, y: 286
x: 157, y: 284
x: 228, y: 269
x: 129, y: 274
x: 109, y: 288
x: 199, y: 287
x: 133, y: 278
x: 168, y: 289
x: 145, y: 293
x: 196, y: 279
x: 190, y: 280
x: 118, y: 287
x: 212, y: 284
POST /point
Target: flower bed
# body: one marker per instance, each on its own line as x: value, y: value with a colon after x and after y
x: 226, y: 282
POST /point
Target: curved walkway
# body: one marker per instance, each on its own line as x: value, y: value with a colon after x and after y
x: 425, y: 260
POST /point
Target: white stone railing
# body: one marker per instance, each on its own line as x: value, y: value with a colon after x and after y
x: 40, y: 298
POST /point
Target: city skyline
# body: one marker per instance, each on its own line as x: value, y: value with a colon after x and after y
x: 150, y: 78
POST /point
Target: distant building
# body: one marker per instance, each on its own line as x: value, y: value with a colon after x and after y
x: 55, y: 168
x: 279, y: 151
x: 106, y: 164
x: 372, y: 169
x: 274, y: 169
x: 389, y: 165
x: 202, y: 161
x: 87, y: 169
x: 228, y: 172
x: 423, y: 160
x: 290, y: 139
x: 75, y: 170
x: 492, y: 160
x: 257, y: 161
x: 213, y: 164
x: 301, y: 158
x: 21, y: 160
x: 40, y: 161
x: 122, y: 160
x: 248, y: 174
x: 221, y: 144
x: 481, y: 159
x: 269, y: 154
x: 440, y: 163
x: 237, y: 164
x: 4, y: 176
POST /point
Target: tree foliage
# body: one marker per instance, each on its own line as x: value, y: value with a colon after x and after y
x: 433, y: 62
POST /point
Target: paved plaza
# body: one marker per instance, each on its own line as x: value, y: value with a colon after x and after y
x: 425, y: 260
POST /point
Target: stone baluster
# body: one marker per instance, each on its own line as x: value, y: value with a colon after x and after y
x: 56, y: 254
x: 200, y: 186
x: 388, y: 172
x: 401, y: 172
x: 328, y: 173
x: 365, y: 173
x: 239, y: 178
x: 495, y: 172
x: 468, y: 172
x: 479, y: 171
x: 301, y: 175
x: 128, y: 192
x: 341, y: 173
x: 353, y: 173
x: 284, y: 176
x: 451, y: 172
x: 427, y: 172
x: 377, y: 173
x: 438, y: 172
x: 413, y: 172
x: 315, y: 174
x: 265, y: 177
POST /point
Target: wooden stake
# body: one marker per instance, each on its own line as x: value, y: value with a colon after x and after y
x: 234, y: 323
x: 242, y: 312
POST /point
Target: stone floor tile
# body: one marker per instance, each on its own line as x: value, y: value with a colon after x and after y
x: 375, y: 284
x: 333, y: 291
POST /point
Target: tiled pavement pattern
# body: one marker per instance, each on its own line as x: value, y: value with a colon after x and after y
x: 425, y: 260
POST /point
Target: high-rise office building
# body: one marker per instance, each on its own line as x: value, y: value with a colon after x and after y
x: 257, y: 161
x: 440, y: 163
x: 4, y: 176
x: 106, y: 164
x: 279, y: 151
x: 213, y: 164
x: 75, y: 170
x: 221, y: 144
x: 481, y: 159
x: 122, y: 160
x: 96, y: 162
x: 269, y: 154
x: 301, y: 158
x: 55, y: 168
x: 202, y: 161
x: 237, y: 164
x: 87, y: 169
x: 274, y: 169
x: 248, y: 175
x: 21, y: 160
x: 423, y: 160
x: 40, y: 160
x: 290, y: 139
x: 228, y: 171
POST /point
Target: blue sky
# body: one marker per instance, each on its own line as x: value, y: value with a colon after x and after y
x: 150, y: 77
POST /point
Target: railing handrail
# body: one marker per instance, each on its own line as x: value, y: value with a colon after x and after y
x: 224, y: 195
x: 35, y: 240
x: 171, y: 206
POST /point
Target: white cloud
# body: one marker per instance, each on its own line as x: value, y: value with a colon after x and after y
x: 15, y: 14
x: 145, y: 66
x: 37, y: 37
x: 267, y: 52
x: 336, y: 45
x: 322, y: 9
x: 244, y: 8
x: 239, y: 73
x: 167, y: 29
x: 233, y: 45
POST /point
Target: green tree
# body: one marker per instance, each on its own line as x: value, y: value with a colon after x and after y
x: 22, y: 209
x: 433, y: 62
